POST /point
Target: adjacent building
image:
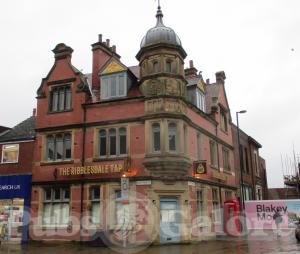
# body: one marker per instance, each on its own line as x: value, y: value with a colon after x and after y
x: 251, y: 165
x: 16, y: 150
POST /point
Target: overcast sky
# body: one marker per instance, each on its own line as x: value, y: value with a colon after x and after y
x: 256, y: 43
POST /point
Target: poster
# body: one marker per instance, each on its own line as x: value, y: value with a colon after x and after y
x: 260, y: 213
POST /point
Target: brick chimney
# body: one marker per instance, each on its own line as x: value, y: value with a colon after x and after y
x: 62, y: 51
x: 102, y: 52
x: 191, y: 71
x: 220, y: 77
x: 34, y: 112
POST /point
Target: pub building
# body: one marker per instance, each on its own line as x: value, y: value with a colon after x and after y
x: 159, y: 127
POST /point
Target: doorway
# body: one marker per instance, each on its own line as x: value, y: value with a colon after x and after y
x: 169, y: 220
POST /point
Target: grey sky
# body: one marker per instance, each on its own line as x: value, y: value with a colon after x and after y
x: 251, y: 40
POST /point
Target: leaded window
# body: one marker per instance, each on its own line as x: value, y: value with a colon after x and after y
x: 58, y: 147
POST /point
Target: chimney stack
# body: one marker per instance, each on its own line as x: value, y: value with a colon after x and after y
x: 220, y: 77
x: 191, y: 64
x: 191, y: 71
x: 102, y: 52
x: 34, y: 112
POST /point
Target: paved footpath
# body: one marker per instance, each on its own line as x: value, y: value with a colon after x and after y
x: 253, y: 244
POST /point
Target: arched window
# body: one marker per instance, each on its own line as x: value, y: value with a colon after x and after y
x: 67, y: 146
x: 155, y: 67
x: 156, y: 137
x: 122, y: 141
x: 102, y: 142
x: 50, y: 148
x: 59, y: 147
x: 168, y: 66
x: 112, y: 142
x: 172, y: 136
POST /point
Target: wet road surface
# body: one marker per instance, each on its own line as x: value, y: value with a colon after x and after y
x: 257, y: 244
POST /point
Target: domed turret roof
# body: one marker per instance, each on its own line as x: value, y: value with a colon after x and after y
x: 160, y: 33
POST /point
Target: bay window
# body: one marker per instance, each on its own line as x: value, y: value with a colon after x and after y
x: 114, y: 85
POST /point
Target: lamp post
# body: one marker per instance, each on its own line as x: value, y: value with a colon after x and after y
x: 241, y: 170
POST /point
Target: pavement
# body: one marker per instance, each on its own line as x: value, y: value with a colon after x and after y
x: 255, y: 243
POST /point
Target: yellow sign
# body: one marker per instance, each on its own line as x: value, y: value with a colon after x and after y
x: 92, y: 170
x: 113, y: 67
x: 219, y: 176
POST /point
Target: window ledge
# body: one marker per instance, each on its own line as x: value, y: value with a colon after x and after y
x: 8, y: 162
x: 215, y: 167
x: 224, y: 131
x: 116, y: 158
x: 60, y: 111
x: 53, y: 226
x: 45, y: 163
x: 227, y: 171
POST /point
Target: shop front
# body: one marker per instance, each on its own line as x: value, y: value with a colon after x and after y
x: 15, y: 193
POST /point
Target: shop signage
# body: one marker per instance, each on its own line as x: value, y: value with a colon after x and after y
x: 124, y: 188
x: 15, y: 186
x: 219, y: 176
x: 260, y: 214
x: 92, y: 170
x: 200, y: 167
x: 145, y: 182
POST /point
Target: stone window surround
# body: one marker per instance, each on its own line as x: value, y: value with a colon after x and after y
x: 164, y: 144
x: 44, y: 160
x: 97, y: 140
x: 50, y: 91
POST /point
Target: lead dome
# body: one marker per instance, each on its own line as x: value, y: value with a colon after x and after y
x: 160, y: 33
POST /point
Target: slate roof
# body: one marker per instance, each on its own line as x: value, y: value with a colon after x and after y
x: 23, y: 131
x: 3, y: 129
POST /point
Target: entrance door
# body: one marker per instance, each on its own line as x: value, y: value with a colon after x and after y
x: 169, y: 220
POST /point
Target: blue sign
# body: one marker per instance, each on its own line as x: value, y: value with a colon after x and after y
x: 15, y: 186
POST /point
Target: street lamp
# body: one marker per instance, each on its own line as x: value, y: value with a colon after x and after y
x: 241, y: 170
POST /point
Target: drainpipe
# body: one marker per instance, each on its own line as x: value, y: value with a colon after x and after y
x: 220, y: 191
x: 82, y: 175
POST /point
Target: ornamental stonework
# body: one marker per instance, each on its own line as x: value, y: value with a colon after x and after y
x: 164, y: 86
x: 165, y: 105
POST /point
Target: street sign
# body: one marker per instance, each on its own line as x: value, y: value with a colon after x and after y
x: 124, y: 188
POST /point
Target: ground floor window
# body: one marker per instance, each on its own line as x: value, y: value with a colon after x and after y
x: 200, y: 205
x: 56, y: 206
x: 258, y: 192
x: 95, y: 205
x: 247, y: 192
x: 216, y: 205
x: 11, y: 218
x: 228, y: 195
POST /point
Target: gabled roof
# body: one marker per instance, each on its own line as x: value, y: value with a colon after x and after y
x: 3, y: 129
x: 23, y: 131
x: 135, y: 70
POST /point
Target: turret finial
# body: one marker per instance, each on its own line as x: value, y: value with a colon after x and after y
x: 159, y: 15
